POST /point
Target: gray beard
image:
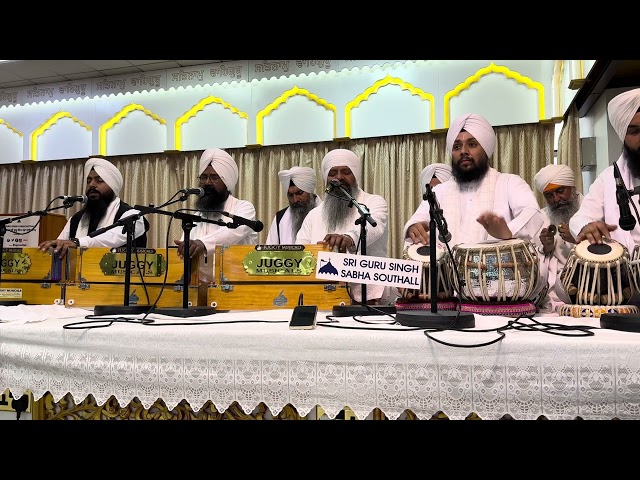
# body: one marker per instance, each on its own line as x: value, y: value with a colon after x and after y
x: 563, y: 213
x: 298, y: 215
x: 337, y: 210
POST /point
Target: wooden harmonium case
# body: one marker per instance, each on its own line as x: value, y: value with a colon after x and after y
x: 262, y: 277
x: 33, y: 276
x: 101, y: 276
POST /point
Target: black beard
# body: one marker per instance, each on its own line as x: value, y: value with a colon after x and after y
x: 212, y: 200
x: 465, y: 176
x: 95, y: 210
x: 299, y: 211
x: 633, y: 160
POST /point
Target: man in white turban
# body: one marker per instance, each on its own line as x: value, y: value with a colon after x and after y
x: 557, y: 183
x: 433, y: 175
x: 598, y: 218
x: 218, y: 176
x: 478, y: 202
x: 299, y: 185
x: 103, y: 207
x: 334, y: 222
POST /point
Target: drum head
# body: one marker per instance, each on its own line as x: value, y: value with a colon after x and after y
x: 422, y: 253
x: 599, y: 252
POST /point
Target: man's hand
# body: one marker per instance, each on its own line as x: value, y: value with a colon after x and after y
x: 596, y: 232
x: 565, y: 233
x: 547, y: 238
x: 495, y: 225
x: 196, y: 247
x: 60, y: 247
x: 419, y: 233
x: 342, y: 243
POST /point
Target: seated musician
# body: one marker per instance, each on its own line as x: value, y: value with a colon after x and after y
x: 104, y: 207
x: 333, y: 223
x: 478, y: 202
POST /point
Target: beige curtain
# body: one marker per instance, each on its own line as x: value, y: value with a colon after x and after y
x: 569, y: 145
x: 391, y: 166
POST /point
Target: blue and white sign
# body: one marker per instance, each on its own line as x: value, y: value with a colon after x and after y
x: 393, y: 272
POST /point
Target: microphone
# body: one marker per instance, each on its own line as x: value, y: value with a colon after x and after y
x: 74, y: 198
x: 192, y: 191
x: 443, y: 230
x: 332, y: 184
x: 255, y: 225
x: 626, y: 221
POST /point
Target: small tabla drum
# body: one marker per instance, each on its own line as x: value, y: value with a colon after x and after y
x: 597, y: 274
x: 634, y: 269
x: 497, y: 271
x: 422, y: 253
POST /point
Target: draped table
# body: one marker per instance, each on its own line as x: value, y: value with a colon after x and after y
x: 253, y: 358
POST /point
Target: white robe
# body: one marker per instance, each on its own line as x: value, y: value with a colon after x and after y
x: 213, y: 235
x: 600, y: 204
x: 314, y: 229
x: 286, y: 229
x: 513, y: 200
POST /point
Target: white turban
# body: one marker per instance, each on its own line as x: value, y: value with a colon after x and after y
x: 554, y: 176
x: 478, y: 127
x: 342, y: 157
x: 621, y: 110
x: 441, y: 171
x: 302, y: 177
x: 107, y: 171
x: 223, y: 164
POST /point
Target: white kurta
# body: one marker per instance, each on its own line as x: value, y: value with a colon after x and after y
x: 513, y: 200
x: 286, y: 231
x: 600, y: 204
x: 213, y: 235
x: 112, y: 238
x: 314, y: 229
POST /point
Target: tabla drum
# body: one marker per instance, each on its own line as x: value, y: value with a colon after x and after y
x: 422, y: 253
x: 597, y: 274
x: 634, y: 269
x: 496, y: 271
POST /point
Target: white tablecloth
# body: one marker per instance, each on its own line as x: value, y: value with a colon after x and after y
x: 526, y: 374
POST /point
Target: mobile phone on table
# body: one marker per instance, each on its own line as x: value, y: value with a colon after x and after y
x: 303, y: 317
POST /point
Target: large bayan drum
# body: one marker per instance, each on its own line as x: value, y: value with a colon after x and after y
x: 597, y: 274
x: 422, y: 253
x: 497, y: 271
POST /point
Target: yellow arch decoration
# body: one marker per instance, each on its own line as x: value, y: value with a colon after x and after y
x: 388, y: 80
x: 493, y: 68
x: 117, y: 118
x: 192, y: 112
x: 283, y: 99
x: 2, y: 122
x: 47, y: 125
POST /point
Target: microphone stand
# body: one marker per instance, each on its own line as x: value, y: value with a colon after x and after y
x: 188, y: 222
x: 447, y: 319
x: 363, y: 309
x: 3, y: 230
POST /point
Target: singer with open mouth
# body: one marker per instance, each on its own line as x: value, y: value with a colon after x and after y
x: 102, y: 207
x: 609, y: 210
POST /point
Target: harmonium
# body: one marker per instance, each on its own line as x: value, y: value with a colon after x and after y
x: 155, y: 278
x: 263, y: 277
x: 32, y: 276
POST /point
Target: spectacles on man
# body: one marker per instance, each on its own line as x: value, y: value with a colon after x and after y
x: 214, y: 177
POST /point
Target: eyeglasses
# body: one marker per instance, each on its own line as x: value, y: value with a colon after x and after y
x: 213, y: 177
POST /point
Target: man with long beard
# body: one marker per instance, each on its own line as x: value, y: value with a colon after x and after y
x: 299, y: 184
x: 598, y: 217
x: 478, y: 202
x: 334, y: 222
x: 557, y: 183
x: 104, y: 207
x: 218, y: 176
